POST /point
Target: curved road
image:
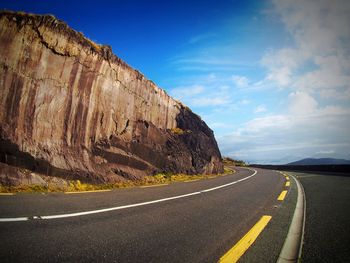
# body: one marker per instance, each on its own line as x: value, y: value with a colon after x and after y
x: 193, y: 222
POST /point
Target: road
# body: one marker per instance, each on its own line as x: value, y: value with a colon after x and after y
x: 196, y: 226
x: 327, y: 228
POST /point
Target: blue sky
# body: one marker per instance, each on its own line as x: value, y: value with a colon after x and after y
x: 271, y: 78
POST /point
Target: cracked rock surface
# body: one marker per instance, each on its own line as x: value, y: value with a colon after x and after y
x: 71, y: 108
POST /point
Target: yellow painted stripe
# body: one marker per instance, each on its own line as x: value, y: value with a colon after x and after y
x: 287, y: 177
x: 154, y: 185
x: 282, y: 196
x: 242, y: 246
x: 288, y: 183
x: 92, y: 191
x: 6, y: 193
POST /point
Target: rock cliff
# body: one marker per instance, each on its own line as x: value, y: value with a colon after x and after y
x: 70, y: 107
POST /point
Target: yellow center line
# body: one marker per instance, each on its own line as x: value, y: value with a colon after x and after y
x: 154, y: 185
x: 282, y: 195
x: 288, y: 183
x: 287, y: 177
x: 92, y: 191
x: 6, y: 193
x: 242, y: 246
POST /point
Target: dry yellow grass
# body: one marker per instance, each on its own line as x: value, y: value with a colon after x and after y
x: 78, y: 186
x: 177, y: 131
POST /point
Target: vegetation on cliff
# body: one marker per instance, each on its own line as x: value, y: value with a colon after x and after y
x: 230, y: 161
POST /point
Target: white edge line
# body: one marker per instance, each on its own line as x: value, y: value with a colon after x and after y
x: 15, y: 219
x: 125, y: 206
x: 235, y: 182
x: 117, y: 207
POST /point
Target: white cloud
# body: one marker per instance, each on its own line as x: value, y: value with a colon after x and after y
x: 260, y: 109
x: 220, y: 125
x: 326, y: 152
x: 244, y: 102
x: 240, y: 81
x: 205, y: 60
x: 316, y: 25
x: 273, y: 137
x: 331, y: 74
x: 259, y: 126
x: 199, y: 38
x: 209, y: 62
x: 209, y: 91
x: 321, y: 33
x: 315, y: 72
x: 209, y: 101
x: 282, y: 76
x: 189, y: 91
x: 336, y: 94
x: 310, y: 77
x: 281, y: 64
x: 301, y: 103
x: 284, y: 57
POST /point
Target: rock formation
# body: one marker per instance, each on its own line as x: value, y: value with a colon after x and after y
x: 70, y: 107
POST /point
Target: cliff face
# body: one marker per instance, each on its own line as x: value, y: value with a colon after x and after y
x: 70, y: 107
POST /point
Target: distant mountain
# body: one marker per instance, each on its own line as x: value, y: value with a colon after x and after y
x: 319, y: 161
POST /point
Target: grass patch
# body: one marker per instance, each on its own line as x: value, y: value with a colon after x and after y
x: 177, y: 131
x: 228, y: 170
x: 78, y: 186
x: 24, y: 189
x: 163, y: 178
x: 230, y: 161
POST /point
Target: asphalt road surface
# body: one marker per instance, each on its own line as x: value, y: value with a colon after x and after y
x: 196, y: 226
x: 327, y: 228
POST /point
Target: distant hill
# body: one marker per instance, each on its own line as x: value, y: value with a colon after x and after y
x: 320, y: 161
